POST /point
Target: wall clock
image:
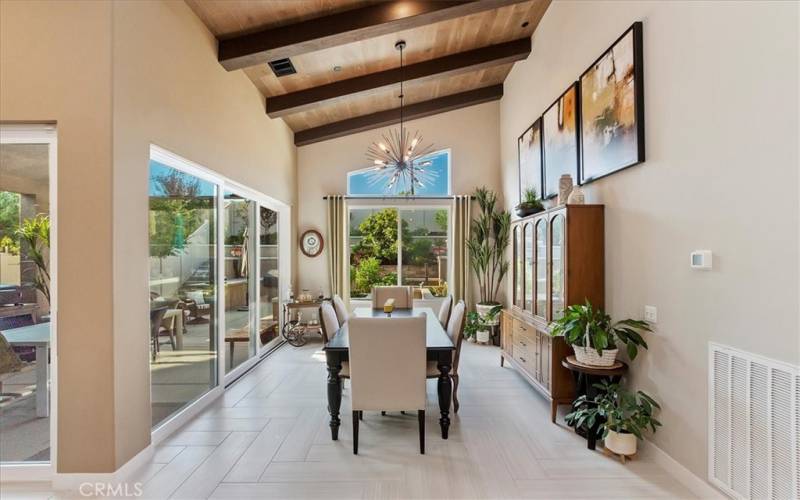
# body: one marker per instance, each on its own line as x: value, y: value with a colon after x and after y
x: 311, y: 243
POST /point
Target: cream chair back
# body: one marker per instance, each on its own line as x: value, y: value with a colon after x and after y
x: 328, y: 320
x: 401, y: 295
x: 387, y: 363
x: 444, y: 310
x: 455, y: 330
x: 341, y: 310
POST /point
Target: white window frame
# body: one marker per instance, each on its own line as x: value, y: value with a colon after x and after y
x: 384, y: 195
x: 403, y: 203
x: 224, y: 184
x: 45, y: 133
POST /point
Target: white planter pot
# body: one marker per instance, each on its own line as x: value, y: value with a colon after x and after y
x: 620, y: 443
x: 589, y: 356
x: 483, y: 310
x: 483, y: 336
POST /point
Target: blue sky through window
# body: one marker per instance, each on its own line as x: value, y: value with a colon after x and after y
x: 158, y: 170
x: 359, y: 182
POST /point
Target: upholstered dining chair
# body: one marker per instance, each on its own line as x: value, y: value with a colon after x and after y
x: 444, y: 310
x: 328, y: 321
x: 455, y: 330
x: 387, y: 368
x: 401, y: 295
x: 341, y: 310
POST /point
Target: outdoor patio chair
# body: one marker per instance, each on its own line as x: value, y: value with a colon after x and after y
x: 156, y: 316
x: 199, y: 310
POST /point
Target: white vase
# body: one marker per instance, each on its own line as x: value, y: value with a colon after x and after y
x: 576, y: 197
x: 588, y: 356
x: 564, y: 188
x: 620, y: 443
x: 483, y: 336
x: 483, y: 310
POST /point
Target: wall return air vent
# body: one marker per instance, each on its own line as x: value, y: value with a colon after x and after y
x: 282, y: 67
x: 754, y: 422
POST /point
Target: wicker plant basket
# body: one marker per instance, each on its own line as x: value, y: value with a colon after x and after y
x: 588, y: 356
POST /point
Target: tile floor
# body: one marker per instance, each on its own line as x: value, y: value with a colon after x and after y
x: 268, y: 437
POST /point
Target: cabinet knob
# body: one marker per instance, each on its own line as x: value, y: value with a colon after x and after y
x: 521, y: 358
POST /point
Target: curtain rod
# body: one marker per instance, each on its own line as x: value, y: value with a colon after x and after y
x: 398, y: 197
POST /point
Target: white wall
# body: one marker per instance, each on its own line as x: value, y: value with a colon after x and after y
x: 169, y: 90
x: 470, y: 133
x: 721, y: 94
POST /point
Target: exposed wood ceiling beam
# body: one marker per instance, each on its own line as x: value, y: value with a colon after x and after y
x: 392, y: 116
x: 345, y: 27
x: 471, y: 60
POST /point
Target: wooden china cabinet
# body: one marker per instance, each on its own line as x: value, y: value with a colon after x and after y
x: 558, y: 261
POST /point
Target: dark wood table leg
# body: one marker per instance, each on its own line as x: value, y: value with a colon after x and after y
x: 591, y: 392
x: 445, y: 387
x: 334, y: 391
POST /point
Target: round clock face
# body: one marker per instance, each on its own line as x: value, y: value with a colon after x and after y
x: 311, y: 243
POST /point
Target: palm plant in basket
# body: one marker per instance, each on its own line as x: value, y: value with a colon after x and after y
x: 595, y: 338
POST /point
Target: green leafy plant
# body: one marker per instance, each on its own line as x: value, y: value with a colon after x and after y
x: 530, y: 201
x: 477, y: 322
x: 368, y: 273
x: 490, y: 232
x: 35, y: 235
x: 8, y: 245
x: 586, y: 326
x: 615, y: 410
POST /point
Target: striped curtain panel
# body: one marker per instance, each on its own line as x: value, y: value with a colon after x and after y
x: 336, y: 209
x: 460, y: 286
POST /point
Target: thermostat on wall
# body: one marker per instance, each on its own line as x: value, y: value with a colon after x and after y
x: 700, y: 259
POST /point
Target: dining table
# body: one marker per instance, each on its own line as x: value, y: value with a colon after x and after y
x: 38, y: 336
x: 439, y: 349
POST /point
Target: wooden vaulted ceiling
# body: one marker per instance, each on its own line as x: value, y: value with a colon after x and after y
x: 458, y: 54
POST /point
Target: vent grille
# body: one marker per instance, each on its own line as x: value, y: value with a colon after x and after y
x: 282, y: 67
x: 754, y: 419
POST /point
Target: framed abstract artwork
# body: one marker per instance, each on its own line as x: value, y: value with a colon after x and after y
x: 560, y: 140
x: 612, y: 109
x: 529, y: 148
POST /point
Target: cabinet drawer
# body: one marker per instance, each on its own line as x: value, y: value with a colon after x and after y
x: 524, y: 357
x: 524, y: 333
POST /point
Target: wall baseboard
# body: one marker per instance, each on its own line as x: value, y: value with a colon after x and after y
x: 695, y: 484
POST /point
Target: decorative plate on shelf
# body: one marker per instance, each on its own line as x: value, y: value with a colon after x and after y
x: 311, y: 243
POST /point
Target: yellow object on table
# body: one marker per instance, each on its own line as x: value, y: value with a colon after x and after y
x: 388, y: 306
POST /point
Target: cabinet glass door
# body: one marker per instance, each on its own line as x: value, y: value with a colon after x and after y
x: 519, y: 267
x: 557, y: 266
x: 528, y: 230
x: 541, y: 268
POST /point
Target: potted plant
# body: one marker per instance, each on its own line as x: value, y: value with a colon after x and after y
x: 490, y: 233
x: 477, y: 327
x: 594, y: 337
x: 617, y: 416
x: 530, y: 203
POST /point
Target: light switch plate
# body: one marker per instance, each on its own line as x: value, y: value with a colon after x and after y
x: 651, y: 314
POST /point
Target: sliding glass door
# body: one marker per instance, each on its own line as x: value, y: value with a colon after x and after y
x: 217, y: 257
x: 239, y: 250
x: 27, y: 295
x: 183, y: 289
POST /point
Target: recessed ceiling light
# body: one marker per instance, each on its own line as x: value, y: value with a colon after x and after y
x: 337, y: 68
x: 525, y: 24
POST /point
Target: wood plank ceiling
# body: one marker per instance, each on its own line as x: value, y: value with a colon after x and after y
x: 346, y: 62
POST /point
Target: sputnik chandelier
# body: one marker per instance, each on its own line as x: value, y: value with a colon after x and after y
x: 399, y: 157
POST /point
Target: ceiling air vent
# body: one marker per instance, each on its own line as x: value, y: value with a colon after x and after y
x: 282, y: 67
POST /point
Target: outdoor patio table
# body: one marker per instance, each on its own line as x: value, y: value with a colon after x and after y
x: 37, y: 336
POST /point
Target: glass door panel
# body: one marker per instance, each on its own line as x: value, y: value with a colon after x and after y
x: 373, y: 249
x: 25, y: 302
x: 183, y: 315
x: 424, y: 251
x: 238, y: 220
x: 557, y: 277
x: 519, y: 268
x: 269, y: 277
x: 541, y: 268
x: 528, y: 232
